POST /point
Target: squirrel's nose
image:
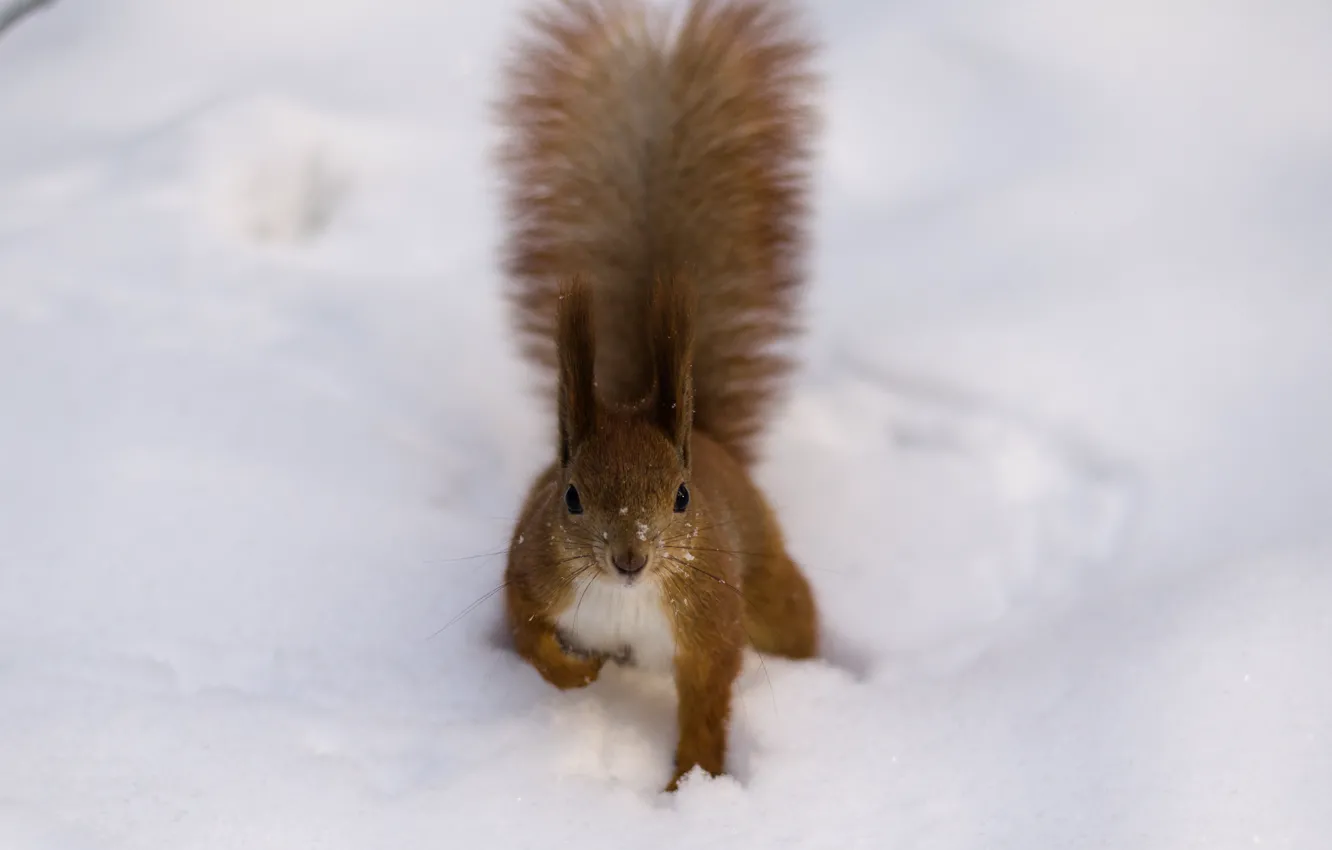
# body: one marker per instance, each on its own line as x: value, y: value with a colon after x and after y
x: 629, y: 561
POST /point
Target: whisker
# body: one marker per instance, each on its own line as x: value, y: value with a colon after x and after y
x: 580, y: 538
x: 764, y: 555
x: 696, y: 530
x: 586, y: 588
x: 772, y: 692
x: 573, y: 558
x: 723, y: 582
x: 490, y: 593
x: 469, y: 609
x: 503, y: 551
x: 718, y: 523
x: 579, y: 531
x: 572, y: 577
x: 564, y: 584
x: 727, y: 551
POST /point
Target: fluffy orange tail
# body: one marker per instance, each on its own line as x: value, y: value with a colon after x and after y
x: 641, y: 147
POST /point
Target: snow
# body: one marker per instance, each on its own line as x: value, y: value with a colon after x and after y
x: 1059, y: 463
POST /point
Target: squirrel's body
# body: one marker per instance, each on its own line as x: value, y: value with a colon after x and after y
x: 656, y: 182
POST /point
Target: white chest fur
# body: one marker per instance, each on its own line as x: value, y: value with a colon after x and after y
x: 611, y: 617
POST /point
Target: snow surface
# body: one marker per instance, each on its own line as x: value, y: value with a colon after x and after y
x: 1060, y: 463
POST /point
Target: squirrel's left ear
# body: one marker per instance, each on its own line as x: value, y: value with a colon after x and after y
x: 672, y: 339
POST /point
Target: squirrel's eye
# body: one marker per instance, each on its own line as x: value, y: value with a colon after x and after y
x: 681, y: 499
x: 572, y: 502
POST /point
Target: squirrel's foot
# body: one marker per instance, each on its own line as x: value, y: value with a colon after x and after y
x: 680, y: 774
x: 566, y: 668
x: 575, y: 673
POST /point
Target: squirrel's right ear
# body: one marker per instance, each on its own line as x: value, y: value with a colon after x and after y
x: 577, y: 354
x: 672, y: 340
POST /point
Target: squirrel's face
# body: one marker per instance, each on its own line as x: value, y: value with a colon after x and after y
x: 624, y: 492
x: 625, y: 499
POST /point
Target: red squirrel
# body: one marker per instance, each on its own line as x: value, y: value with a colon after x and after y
x: 656, y: 177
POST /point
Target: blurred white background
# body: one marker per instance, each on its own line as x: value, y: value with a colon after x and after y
x: 1059, y: 462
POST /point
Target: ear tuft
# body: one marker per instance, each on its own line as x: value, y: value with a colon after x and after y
x: 672, y: 340
x: 576, y: 344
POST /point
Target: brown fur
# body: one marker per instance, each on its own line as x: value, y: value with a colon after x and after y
x: 656, y: 186
x: 630, y: 153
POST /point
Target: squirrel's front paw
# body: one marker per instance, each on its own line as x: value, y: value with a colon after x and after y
x: 681, y: 774
x: 572, y: 672
x: 566, y: 668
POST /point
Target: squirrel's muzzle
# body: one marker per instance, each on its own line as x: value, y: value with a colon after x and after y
x: 629, y: 560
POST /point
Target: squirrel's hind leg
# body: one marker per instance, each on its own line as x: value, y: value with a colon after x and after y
x: 780, y: 615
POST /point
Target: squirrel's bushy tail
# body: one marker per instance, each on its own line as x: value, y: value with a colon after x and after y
x: 640, y: 146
